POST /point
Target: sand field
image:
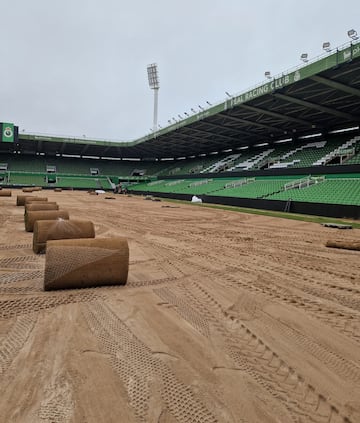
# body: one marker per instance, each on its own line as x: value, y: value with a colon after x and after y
x: 226, y: 317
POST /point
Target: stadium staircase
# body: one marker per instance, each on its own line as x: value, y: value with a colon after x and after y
x: 343, y: 150
x: 111, y: 183
x: 297, y: 155
x: 3, y: 173
x: 223, y: 164
x: 251, y: 162
x: 355, y: 159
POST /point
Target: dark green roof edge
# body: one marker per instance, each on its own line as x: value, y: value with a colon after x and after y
x: 341, y: 55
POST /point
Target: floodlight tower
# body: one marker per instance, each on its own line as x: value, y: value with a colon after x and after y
x: 154, y: 85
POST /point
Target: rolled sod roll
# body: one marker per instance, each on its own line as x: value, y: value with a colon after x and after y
x: 346, y: 245
x: 57, y: 189
x: 45, y: 230
x: 27, y: 189
x: 30, y: 199
x: 39, y: 205
x: 5, y: 193
x: 32, y: 216
x: 85, y: 263
x: 20, y: 199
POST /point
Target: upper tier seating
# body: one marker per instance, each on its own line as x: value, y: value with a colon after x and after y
x: 251, y: 161
x: 337, y: 149
x: 302, y: 156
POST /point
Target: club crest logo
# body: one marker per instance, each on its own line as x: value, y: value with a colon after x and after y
x: 8, y: 132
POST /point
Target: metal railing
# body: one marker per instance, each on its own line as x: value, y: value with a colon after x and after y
x: 203, y: 182
x: 170, y: 184
x: 239, y: 183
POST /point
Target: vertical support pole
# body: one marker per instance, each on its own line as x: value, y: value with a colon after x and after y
x: 156, y: 93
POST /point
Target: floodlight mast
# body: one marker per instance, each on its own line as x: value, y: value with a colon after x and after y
x: 154, y: 85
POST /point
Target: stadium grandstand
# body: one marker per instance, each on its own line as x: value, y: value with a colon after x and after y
x: 291, y: 143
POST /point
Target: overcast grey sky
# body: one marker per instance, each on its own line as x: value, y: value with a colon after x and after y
x: 78, y: 67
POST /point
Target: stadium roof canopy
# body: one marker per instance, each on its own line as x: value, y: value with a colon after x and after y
x: 320, y: 96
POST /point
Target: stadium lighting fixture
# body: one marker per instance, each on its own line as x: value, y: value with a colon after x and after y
x: 153, y: 78
x: 229, y: 95
x: 169, y: 121
x: 352, y: 34
x: 180, y: 117
x: 267, y: 75
x: 338, y: 131
x: 186, y: 114
x: 208, y: 102
x: 174, y: 119
x: 283, y: 140
x: 305, y: 137
x: 326, y: 46
x: 193, y: 110
x: 304, y: 57
x: 201, y: 108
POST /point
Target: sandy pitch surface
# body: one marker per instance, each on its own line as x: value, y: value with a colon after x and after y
x: 226, y: 317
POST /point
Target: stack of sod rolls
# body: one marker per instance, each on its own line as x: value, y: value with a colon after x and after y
x: 74, y: 257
